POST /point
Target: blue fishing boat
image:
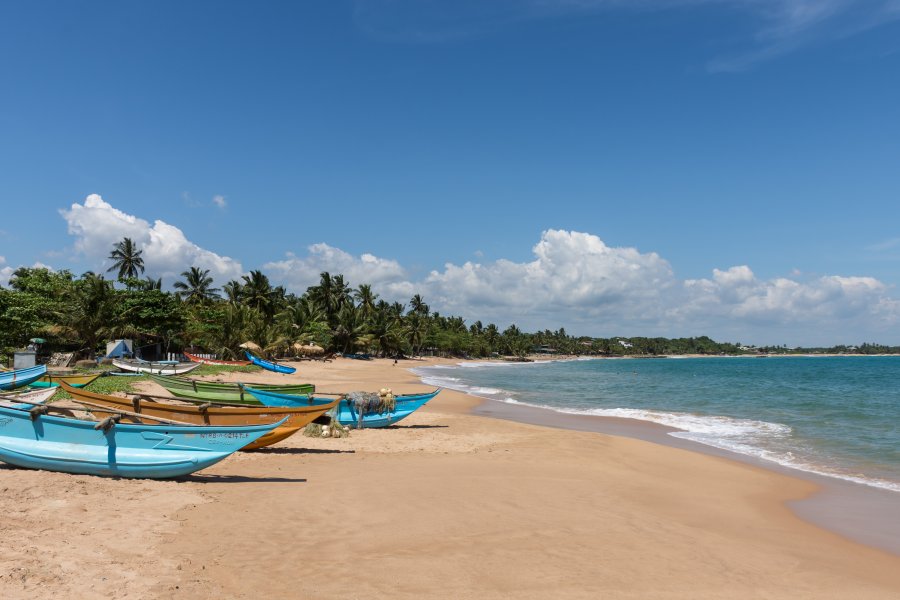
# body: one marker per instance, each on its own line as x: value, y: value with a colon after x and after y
x: 40, y: 441
x: 10, y: 380
x: 267, y: 365
x: 350, y: 411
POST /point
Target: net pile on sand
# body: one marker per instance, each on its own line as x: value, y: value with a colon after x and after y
x: 333, y: 430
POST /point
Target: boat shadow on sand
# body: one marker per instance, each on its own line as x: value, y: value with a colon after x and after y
x: 270, y: 450
x: 193, y: 478
x: 214, y: 479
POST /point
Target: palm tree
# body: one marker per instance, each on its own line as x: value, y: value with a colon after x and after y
x: 233, y: 290
x: 90, y: 313
x: 331, y: 295
x: 231, y: 331
x: 127, y: 259
x: 386, y: 333
x: 150, y: 284
x: 398, y: 308
x: 366, y: 300
x: 492, y: 336
x: 418, y: 306
x: 416, y: 330
x: 300, y: 320
x: 258, y: 293
x: 196, y: 287
x: 350, y: 332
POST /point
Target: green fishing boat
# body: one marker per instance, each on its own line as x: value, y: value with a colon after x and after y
x: 219, y: 391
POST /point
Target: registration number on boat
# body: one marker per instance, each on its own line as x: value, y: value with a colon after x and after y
x: 232, y: 435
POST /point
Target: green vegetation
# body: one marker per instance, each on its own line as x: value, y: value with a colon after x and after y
x: 81, y: 313
x: 106, y: 385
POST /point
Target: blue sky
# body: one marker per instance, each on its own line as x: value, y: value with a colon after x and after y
x: 617, y: 168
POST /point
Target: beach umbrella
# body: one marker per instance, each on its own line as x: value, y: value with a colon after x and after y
x: 250, y: 346
x: 310, y: 349
x: 38, y: 341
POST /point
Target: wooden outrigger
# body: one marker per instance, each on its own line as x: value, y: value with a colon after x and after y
x: 297, y: 417
x: 34, y: 439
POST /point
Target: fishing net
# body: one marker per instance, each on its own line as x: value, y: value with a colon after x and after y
x: 371, y: 403
x: 332, y: 430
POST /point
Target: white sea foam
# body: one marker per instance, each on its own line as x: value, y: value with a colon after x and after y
x: 759, y: 439
x: 741, y: 436
x: 454, y: 383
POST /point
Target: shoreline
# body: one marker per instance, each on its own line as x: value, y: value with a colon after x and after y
x: 859, y: 512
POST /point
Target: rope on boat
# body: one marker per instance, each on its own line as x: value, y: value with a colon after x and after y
x: 107, y: 423
x: 37, y: 411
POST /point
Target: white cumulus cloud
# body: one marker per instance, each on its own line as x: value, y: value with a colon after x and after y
x: 298, y: 273
x: 575, y: 278
x: 97, y: 225
x: 219, y: 201
x: 823, y: 307
x: 578, y: 282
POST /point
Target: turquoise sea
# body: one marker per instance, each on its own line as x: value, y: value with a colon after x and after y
x: 836, y: 416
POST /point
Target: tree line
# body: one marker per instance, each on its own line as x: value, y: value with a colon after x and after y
x: 80, y: 313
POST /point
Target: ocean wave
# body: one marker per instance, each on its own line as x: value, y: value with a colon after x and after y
x: 741, y: 436
x: 762, y: 440
x: 788, y: 459
x: 454, y: 383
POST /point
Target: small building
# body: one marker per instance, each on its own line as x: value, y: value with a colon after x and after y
x: 119, y: 348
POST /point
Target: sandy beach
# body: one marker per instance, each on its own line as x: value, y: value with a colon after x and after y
x: 447, y: 504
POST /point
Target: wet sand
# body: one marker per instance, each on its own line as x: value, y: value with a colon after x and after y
x: 445, y: 505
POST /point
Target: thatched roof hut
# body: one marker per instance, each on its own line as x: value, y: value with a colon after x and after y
x: 309, y: 349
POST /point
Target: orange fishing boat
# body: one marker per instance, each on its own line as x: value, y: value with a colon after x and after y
x: 210, y: 414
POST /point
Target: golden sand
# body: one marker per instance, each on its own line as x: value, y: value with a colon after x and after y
x: 444, y: 505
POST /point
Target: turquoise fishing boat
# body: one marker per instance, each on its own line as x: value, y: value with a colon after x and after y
x: 10, y: 380
x: 31, y: 439
x: 269, y: 366
x: 352, y: 412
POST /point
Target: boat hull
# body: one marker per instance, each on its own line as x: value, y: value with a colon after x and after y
x: 155, y: 368
x: 297, y: 417
x: 10, y: 380
x: 347, y: 414
x: 269, y: 366
x: 234, y: 393
x: 124, y: 450
x: 51, y: 380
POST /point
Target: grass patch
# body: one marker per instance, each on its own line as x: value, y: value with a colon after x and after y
x: 111, y: 384
x: 106, y: 385
x: 216, y: 369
